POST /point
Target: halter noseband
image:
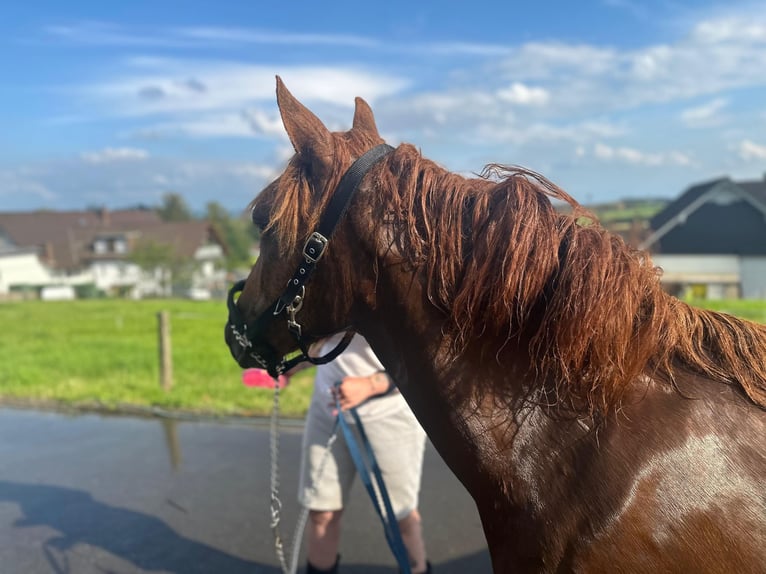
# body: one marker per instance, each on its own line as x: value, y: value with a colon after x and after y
x: 291, y: 299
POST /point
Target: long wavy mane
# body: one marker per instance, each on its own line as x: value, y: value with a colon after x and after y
x: 504, y: 264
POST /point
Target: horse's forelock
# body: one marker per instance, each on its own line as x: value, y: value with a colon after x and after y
x: 298, y: 198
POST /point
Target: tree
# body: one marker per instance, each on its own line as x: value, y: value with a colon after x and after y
x: 174, y: 208
x: 173, y: 273
x: 234, y: 232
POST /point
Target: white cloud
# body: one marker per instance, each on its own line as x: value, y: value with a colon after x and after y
x: 545, y: 60
x: 749, y: 150
x: 737, y: 29
x: 154, y: 86
x: 533, y: 101
x: 263, y: 123
x: 107, y: 34
x: 110, y: 34
x: 713, y: 58
x: 518, y: 133
x: 110, y: 154
x: 72, y: 183
x: 569, y: 92
x: 636, y: 157
x: 256, y: 171
x: 251, y: 36
x: 213, y: 125
x: 518, y: 93
x: 284, y: 152
x: 15, y: 183
x: 704, y: 115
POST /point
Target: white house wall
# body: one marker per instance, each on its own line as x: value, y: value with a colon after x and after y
x: 22, y: 269
x: 753, y: 273
x: 209, y: 275
x: 699, y: 268
x: 108, y: 274
x: 718, y: 272
x: 210, y: 252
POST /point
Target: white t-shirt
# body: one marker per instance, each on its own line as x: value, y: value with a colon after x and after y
x: 357, y: 360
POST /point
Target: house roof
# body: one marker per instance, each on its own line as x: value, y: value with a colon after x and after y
x: 756, y: 189
x: 684, y: 200
x: 64, y: 239
x: 672, y: 214
x: 184, y: 236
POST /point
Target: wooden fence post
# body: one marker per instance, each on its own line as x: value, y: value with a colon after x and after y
x: 166, y: 356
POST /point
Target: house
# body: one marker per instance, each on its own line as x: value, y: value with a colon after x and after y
x: 97, y: 248
x: 21, y: 266
x: 711, y: 241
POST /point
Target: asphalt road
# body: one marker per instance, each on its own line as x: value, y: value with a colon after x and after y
x: 92, y: 494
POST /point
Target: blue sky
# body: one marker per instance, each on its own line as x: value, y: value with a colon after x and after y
x: 114, y: 104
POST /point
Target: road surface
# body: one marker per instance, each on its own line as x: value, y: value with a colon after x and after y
x: 93, y: 494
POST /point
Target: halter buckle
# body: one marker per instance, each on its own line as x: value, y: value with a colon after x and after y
x: 292, y: 309
x: 314, y: 247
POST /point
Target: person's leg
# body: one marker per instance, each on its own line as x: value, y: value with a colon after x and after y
x: 325, y: 482
x: 412, y: 535
x: 399, y: 445
x: 323, y: 539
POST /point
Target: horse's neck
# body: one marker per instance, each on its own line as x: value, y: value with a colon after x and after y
x: 472, y: 424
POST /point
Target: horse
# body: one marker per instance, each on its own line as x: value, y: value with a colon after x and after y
x: 600, y: 424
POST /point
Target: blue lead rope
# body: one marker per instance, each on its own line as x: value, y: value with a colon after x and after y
x: 368, y: 469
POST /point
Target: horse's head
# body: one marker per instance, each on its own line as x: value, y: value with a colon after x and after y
x: 278, y: 309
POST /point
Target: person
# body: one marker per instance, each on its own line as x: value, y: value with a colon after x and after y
x: 397, y: 440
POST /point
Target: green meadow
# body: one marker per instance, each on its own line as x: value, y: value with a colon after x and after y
x: 103, y: 354
x: 751, y: 309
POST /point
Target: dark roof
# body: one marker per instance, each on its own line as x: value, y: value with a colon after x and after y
x: 682, y: 201
x: 755, y: 189
x: 64, y: 239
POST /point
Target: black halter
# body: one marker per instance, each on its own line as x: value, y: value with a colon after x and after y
x: 291, y: 299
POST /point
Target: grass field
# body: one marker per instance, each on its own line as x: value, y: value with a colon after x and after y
x: 754, y: 310
x: 104, y: 354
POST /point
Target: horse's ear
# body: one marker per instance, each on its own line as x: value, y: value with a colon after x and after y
x: 307, y: 133
x: 364, y: 121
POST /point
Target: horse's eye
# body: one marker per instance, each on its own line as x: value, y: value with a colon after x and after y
x: 259, y: 219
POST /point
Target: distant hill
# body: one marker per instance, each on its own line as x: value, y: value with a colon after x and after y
x: 627, y: 217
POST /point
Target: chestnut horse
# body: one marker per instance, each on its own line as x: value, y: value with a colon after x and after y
x: 599, y: 424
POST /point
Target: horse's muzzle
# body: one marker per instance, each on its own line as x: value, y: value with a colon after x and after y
x: 246, y: 355
x: 238, y: 351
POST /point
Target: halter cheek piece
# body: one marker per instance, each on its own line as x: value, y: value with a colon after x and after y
x: 291, y: 299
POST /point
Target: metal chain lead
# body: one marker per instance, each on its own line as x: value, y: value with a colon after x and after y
x: 276, y: 503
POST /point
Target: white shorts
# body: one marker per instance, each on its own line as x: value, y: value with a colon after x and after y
x: 398, y: 442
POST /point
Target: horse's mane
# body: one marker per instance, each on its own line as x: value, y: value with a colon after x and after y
x: 503, y: 264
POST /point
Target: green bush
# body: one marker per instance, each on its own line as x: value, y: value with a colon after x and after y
x: 88, y: 291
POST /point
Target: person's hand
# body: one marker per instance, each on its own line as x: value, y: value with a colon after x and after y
x: 353, y: 391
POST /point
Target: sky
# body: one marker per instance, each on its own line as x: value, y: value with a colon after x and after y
x: 116, y: 103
